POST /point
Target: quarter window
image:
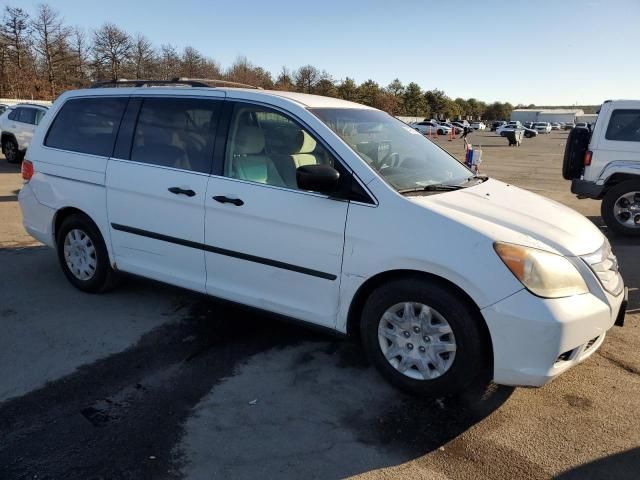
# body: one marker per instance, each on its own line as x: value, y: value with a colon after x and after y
x: 267, y: 147
x: 176, y: 132
x: 87, y: 125
x: 624, y: 126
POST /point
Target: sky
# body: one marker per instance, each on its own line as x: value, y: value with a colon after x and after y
x: 546, y: 52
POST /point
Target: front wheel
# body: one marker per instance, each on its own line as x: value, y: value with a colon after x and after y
x: 620, y: 208
x: 83, y: 255
x: 423, y: 339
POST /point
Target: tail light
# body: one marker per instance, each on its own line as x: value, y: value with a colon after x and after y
x: 587, y: 158
x: 27, y: 170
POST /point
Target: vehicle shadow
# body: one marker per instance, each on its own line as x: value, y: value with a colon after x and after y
x: 620, y: 466
x: 214, y: 387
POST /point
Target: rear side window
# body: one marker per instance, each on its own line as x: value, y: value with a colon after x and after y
x: 87, y: 125
x: 14, y: 114
x: 27, y: 115
x: 624, y: 126
x: 176, y: 132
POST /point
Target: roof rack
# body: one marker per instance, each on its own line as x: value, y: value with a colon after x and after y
x: 178, y: 81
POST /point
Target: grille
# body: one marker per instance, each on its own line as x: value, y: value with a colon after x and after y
x: 590, y: 343
x: 605, y: 265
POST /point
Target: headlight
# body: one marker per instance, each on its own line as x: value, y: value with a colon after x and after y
x: 543, y: 273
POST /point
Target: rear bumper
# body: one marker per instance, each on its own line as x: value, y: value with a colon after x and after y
x: 586, y: 189
x: 535, y: 340
x: 36, y: 218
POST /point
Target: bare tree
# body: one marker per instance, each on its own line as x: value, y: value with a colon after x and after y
x: 306, y: 78
x: 80, y: 51
x: 50, y: 42
x: 111, y: 50
x: 14, y: 36
x: 143, y: 57
x: 284, y: 80
x: 169, y: 62
x: 192, y: 63
x: 243, y: 71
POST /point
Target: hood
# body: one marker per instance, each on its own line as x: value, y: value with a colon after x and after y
x: 529, y: 219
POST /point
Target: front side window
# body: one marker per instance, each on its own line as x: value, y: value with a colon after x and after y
x: 267, y: 147
x: 87, y: 125
x: 624, y: 126
x: 176, y: 132
x: 399, y: 154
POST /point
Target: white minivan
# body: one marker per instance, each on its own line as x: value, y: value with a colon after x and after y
x: 326, y: 211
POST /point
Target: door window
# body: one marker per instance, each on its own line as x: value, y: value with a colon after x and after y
x: 267, y: 147
x: 624, y: 126
x: 176, y: 132
x: 87, y: 125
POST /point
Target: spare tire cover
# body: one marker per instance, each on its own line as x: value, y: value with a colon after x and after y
x: 574, y: 151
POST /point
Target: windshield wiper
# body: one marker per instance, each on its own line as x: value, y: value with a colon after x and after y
x: 434, y: 187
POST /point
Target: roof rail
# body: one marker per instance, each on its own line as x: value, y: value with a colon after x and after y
x: 178, y: 81
x: 213, y: 82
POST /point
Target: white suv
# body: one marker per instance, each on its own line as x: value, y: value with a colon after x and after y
x: 605, y: 164
x: 327, y: 211
x: 17, y: 124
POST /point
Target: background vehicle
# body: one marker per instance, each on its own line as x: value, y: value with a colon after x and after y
x: 569, y: 126
x: 528, y: 132
x: 542, y: 127
x: 461, y: 124
x: 456, y: 128
x: 516, y: 123
x: 605, y: 164
x: 555, y: 126
x: 431, y: 127
x: 478, y: 126
x: 497, y: 124
x: 3, y: 108
x: 17, y: 125
x: 582, y: 125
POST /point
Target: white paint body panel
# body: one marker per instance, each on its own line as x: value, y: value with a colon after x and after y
x: 449, y: 235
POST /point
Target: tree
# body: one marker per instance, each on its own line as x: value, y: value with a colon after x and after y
x: 80, y: 52
x: 369, y: 93
x: 243, y: 71
x: 326, y: 86
x: 284, y: 81
x: 414, y: 101
x: 191, y: 63
x: 50, y: 42
x: 169, y: 62
x: 15, y: 44
x: 306, y: 78
x: 143, y: 57
x: 111, y: 49
x: 396, y: 90
x: 348, y: 90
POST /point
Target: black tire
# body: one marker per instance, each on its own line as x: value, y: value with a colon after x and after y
x: 574, y: 151
x: 10, y: 149
x: 104, y: 277
x: 471, y: 365
x: 440, y: 132
x: 609, y: 202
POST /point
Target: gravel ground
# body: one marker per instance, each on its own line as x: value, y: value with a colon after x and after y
x: 151, y: 381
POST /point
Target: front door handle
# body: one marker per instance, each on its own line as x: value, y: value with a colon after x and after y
x: 182, y: 191
x: 222, y: 199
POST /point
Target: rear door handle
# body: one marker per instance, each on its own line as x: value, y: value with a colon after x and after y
x: 182, y: 191
x: 222, y: 199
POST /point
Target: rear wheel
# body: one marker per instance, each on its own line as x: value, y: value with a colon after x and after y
x: 10, y: 149
x: 83, y: 255
x: 620, y: 208
x: 423, y: 339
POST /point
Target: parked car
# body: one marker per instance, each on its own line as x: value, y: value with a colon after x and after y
x: 17, y: 125
x: 528, y: 124
x: 497, y: 124
x: 456, y: 128
x: 478, y: 126
x: 555, y: 126
x: 528, y: 132
x: 604, y: 164
x: 516, y: 123
x: 542, y: 127
x: 327, y: 211
x: 431, y: 127
x: 3, y: 108
x: 569, y: 125
x: 582, y: 125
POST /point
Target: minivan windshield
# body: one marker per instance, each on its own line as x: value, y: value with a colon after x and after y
x: 399, y: 154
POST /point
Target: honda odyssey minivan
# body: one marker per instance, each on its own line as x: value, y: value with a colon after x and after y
x: 326, y: 211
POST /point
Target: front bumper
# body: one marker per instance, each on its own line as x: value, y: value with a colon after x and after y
x: 535, y: 339
x: 586, y: 189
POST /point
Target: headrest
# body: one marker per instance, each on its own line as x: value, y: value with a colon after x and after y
x: 304, y: 143
x: 249, y: 140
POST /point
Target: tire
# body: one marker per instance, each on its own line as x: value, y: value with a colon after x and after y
x: 468, y: 366
x: 440, y: 132
x: 574, y: 151
x: 612, y: 202
x: 10, y: 149
x: 76, y: 231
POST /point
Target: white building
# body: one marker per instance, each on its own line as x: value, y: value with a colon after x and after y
x: 550, y: 115
x: 587, y: 118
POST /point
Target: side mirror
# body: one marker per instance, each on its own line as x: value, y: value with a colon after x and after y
x: 318, y: 178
